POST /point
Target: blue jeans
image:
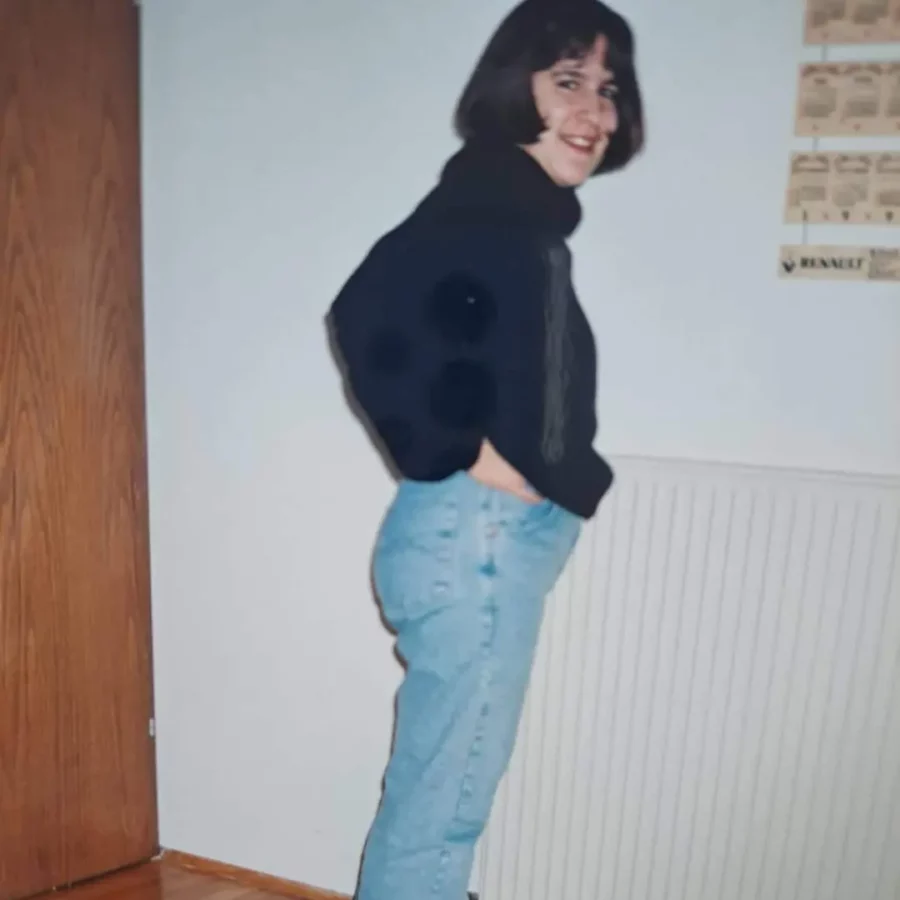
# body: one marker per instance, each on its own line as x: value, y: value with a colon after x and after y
x: 462, y: 571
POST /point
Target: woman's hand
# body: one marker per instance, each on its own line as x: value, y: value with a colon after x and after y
x: 493, y: 470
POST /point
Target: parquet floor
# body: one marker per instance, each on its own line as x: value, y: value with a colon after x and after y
x: 163, y: 880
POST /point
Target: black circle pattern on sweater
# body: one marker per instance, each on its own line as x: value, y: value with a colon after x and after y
x: 461, y: 310
x: 462, y: 325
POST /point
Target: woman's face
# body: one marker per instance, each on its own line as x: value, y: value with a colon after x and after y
x: 576, y: 100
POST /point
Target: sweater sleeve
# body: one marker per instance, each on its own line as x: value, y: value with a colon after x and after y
x: 442, y: 342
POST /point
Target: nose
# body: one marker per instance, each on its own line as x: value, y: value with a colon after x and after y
x: 609, y: 115
x: 601, y: 113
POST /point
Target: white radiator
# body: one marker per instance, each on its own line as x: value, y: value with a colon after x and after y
x: 715, y: 708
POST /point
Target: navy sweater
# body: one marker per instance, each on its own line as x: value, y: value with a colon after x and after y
x: 462, y: 324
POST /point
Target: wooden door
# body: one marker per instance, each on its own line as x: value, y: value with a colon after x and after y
x: 77, y: 794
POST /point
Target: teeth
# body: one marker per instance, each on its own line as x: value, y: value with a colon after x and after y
x: 584, y: 143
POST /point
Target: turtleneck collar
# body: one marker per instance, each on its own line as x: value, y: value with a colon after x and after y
x: 506, y: 184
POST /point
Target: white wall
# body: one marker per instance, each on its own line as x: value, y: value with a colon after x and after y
x: 280, y: 139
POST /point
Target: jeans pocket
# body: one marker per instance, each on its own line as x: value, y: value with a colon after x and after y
x: 414, y: 560
x: 387, y: 576
x: 540, y: 513
x: 532, y: 518
x: 541, y: 544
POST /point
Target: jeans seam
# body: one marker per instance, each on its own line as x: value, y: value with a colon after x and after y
x: 487, y: 530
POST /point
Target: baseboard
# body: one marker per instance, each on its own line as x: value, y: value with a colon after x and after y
x: 247, y: 877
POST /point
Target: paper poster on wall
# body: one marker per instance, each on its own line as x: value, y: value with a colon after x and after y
x: 818, y: 99
x: 827, y: 21
x: 839, y: 187
x: 886, y: 189
x: 889, y: 119
x: 852, y: 98
x: 829, y: 263
x: 808, y: 193
x: 894, y: 26
x: 861, y: 100
x: 852, y: 21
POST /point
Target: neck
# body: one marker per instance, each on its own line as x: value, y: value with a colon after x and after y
x: 508, y: 183
x: 529, y: 149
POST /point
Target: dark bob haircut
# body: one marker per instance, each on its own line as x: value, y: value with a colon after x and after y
x: 497, y: 105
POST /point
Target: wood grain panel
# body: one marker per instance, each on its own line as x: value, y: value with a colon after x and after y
x: 268, y: 884
x: 170, y: 880
x: 31, y: 854
x: 76, y: 759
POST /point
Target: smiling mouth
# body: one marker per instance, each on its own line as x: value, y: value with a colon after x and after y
x: 583, y: 145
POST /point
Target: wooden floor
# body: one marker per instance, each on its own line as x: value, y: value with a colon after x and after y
x: 168, y: 880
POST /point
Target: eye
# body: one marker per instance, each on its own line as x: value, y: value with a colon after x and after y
x: 610, y: 91
x: 567, y: 84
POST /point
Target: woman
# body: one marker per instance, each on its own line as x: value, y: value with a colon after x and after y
x: 467, y: 351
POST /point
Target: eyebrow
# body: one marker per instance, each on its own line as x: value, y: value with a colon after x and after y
x: 573, y: 64
x: 576, y: 66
